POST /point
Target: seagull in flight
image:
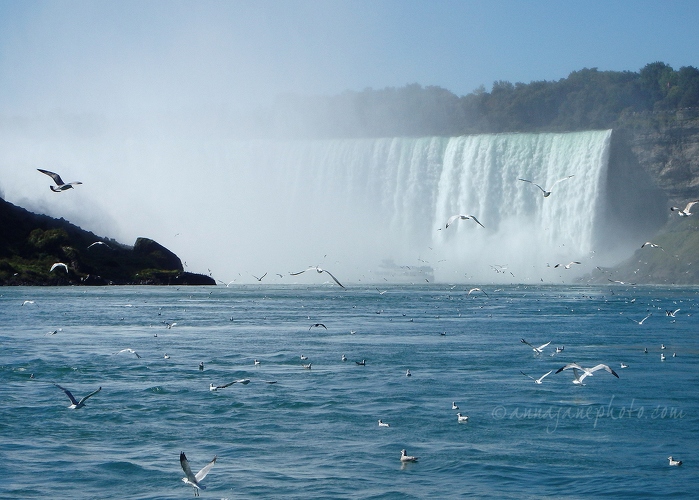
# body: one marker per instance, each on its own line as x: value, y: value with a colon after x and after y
x: 319, y: 270
x: 315, y: 325
x: 671, y: 313
x: 260, y: 278
x: 75, y: 404
x: 60, y: 185
x: 567, y: 266
x: 194, y: 479
x: 537, y: 380
x: 59, y: 264
x: 537, y: 350
x: 641, y: 322
x: 462, y: 217
x: 98, y: 243
x: 128, y: 350
x: 687, y: 210
x: 477, y: 290
x: 652, y: 245
x: 213, y: 387
x: 587, y: 372
x: 621, y: 282
x: 546, y: 193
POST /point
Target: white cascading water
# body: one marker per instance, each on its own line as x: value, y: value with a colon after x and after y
x: 401, y: 191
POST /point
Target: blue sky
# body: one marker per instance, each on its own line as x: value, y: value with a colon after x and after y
x: 133, y: 56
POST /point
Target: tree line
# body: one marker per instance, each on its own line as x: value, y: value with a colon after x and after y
x: 586, y: 99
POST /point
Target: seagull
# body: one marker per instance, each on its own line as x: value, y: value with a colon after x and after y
x: 462, y: 217
x: 319, y: 270
x: 454, y: 406
x: 54, y: 332
x: 671, y: 313
x: 98, y: 243
x: 59, y: 264
x: 307, y: 367
x: 167, y: 356
x: 621, y: 282
x: 27, y: 302
x: 624, y: 365
x: 407, y: 458
x: 260, y: 278
x: 75, y: 403
x: 586, y: 371
x: 537, y: 350
x: 201, y: 366
x: 361, y: 363
x: 662, y: 356
x: 317, y: 325
x: 383, y: 424
x: 662, y: 346
x: 477, y: 290
x: 567, y: 266
x: 686, y: 212
x: 256, y: 362
x: 546, y: 193
x: 128, y: 350
x: 641, y: 322
x: 193, y: 479
x: 652, y: 245
x: 61, y: 186
x: 344, y: 358
x: 539, y: 380
x: 674, y: 462
x: 461, y: 418
x: 213, y: 387
x: 304, y: 358
x: 408, y: 374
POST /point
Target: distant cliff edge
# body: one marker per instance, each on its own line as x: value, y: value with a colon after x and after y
x: 30, y: 245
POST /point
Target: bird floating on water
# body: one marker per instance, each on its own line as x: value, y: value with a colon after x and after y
x: 587, y: 372
x: 344, y: 358
x: 194, y: 479
x: 404, y: 457
x: 383, y: 424
x: 256, y: 362
x: 461, y: 418
x: 75, y: 404
x: 662, y: 356
x: 546, y: 193
x: 537, y: 350
x: 408, y: 374
x: 60, y: 185
x: 462, y: 217
x: 624, y: 365
x: 361, y: 363
x: 307, y: 367
x: 687, y: 210
x: 537, y: 380
x: 454, y: 406
x: 674, y: 462
x: 319, y: 270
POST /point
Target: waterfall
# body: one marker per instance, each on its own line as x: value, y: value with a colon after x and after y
x: 397, y: 194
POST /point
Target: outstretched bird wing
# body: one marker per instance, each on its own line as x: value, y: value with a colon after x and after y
x: 89, y: 395
x: 205, y: 470
x: 530, y: 182
x: 527, y: 375
x: 70, y: 396
x: 187, y: 470
x: 477, y: 221
x: 333, y: 277
x: 559, y: 180
x: 56, y: 178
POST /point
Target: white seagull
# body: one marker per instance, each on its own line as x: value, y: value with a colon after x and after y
x: 27, y: 302
x: 567, y: 266
x: 587, y: 372
x: 344, y: 358
x: 194, y: 479
x: 319, y: 270
x: 537, y: 380
x: 404, y: 457
x: 624, y: 365
x: 674, y: 462
x: 58, y: 264
x: 128, y: 350
x: 687, y: 210
x: 256, y: 362
x: 537, y: 350
x: 477, y: 290
x: 96, y: 243
x: 461, y: 418
x: 641, y: 322
x: 462, y: 217
x: 454, y: 406
x: 408, y: 374
x: 652, y: 245
x: 75, y: 404
x: 546, y: 193
x: 61, y: 186
x: 671, y: 313
x: 213, y: 387
x: 383, y: 424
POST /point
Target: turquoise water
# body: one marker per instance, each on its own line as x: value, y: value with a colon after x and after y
x: 314, y: 433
